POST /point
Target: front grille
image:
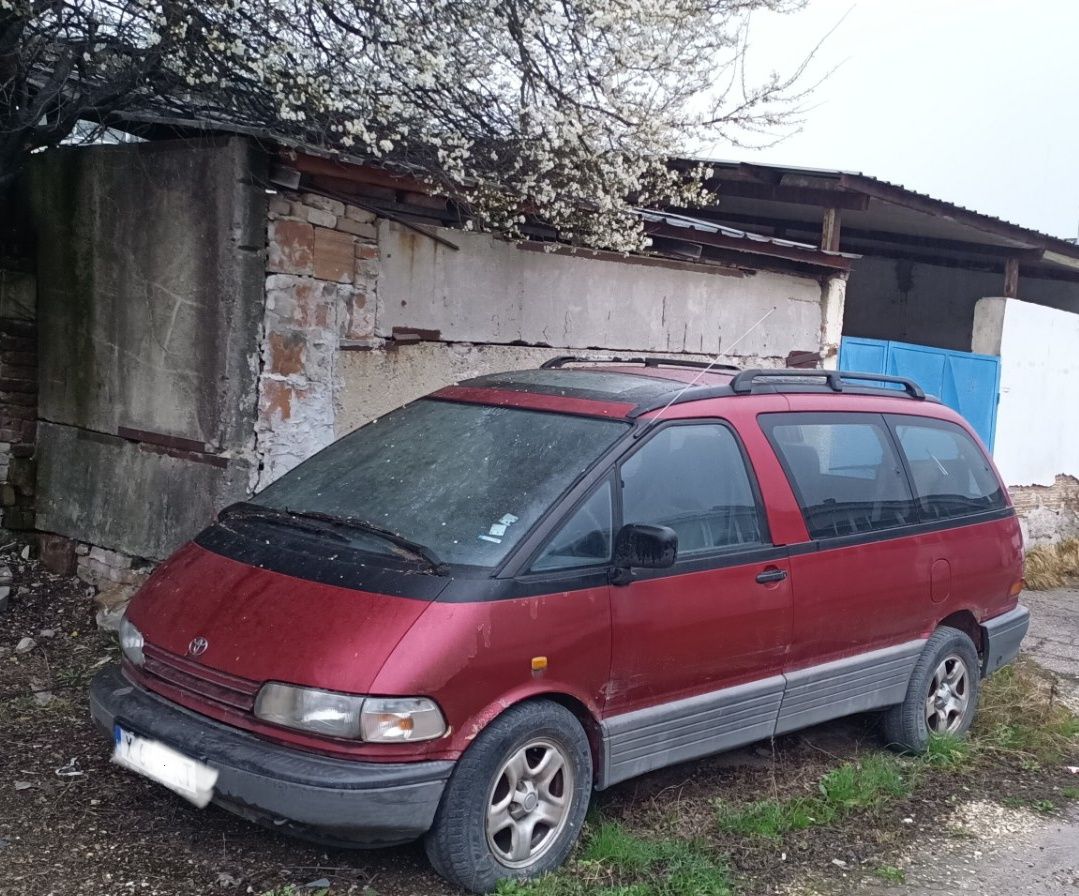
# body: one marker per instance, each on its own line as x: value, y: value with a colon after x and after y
x: 180, y: 672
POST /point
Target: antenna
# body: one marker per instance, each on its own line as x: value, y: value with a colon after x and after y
x: 693, y: 382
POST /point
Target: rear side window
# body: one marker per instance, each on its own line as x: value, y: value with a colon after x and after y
x: 952, y: 476
x: 844, y: 470
x: 693, y: 479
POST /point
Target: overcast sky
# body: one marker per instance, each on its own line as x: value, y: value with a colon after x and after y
x: 971, y: 101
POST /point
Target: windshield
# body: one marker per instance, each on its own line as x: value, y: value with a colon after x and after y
x: 464, y: 481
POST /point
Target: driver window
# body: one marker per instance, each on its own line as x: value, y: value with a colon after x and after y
x: 693, y: 479
x: 584, y: 539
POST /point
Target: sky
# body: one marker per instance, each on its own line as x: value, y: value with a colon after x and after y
x: 972, y: 101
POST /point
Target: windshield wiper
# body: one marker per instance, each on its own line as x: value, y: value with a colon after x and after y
x: 284, y: 518
x: 417, y: 551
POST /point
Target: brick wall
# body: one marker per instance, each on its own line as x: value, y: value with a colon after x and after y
x: 18, y: 397
x: 1048, y: 513
x: 321, y: 264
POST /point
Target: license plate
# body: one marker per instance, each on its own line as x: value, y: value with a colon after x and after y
x: 188, y: 777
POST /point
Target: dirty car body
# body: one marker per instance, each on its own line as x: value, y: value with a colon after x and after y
x: 537, y: 583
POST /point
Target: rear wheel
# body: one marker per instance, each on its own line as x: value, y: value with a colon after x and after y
x: 514, y: 805
x: 942, y: 696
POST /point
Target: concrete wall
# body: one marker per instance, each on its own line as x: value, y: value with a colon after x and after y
x: 1037, y: 441
x: 492, y: 305
x: 932, y: 304
x: 151, y: 272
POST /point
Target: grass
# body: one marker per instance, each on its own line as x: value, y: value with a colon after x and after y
x: 1070, y: 793
x: 1052, y: 566
x: 891, y: 874
x: 1020, y: 715
x: 868, y: 783
x: 616, y: 862
x: 948, y: 751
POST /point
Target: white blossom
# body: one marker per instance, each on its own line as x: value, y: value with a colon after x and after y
x: 564, y: 113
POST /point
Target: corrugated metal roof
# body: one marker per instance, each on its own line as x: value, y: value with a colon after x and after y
x: 847, y: 179
x: 689, y: 223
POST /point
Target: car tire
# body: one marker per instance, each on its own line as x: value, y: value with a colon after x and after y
x: 504, y: 813
x: 942, y: 696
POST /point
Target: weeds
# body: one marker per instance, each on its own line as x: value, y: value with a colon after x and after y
x: 891, y: 873
x: 616, y: 862
x: 1020, y: 715
x: 873, y: 781
x: 1052, y: 566
x: 948, y: 751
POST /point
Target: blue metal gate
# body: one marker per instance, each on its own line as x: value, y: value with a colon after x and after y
x: 964, y: 381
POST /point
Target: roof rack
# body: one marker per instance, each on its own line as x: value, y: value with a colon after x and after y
x: 743, y: 382
x: 563, y: 360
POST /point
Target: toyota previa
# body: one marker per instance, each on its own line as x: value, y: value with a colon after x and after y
x: 459, y: 620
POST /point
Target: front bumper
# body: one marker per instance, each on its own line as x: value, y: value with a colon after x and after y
x: 335, y: 801
x: 1003, y: 635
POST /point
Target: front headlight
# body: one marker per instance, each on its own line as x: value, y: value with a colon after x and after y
x: 309, y: 709
x: 376, y: 719
x: 131, y: 642
x: 394, y: 719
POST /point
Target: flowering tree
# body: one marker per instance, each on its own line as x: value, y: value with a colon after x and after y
x: 565, y: 110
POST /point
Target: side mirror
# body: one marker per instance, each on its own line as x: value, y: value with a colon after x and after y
x: 638, y: 546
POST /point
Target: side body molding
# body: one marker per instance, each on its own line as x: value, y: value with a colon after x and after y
x: 658, y: 736
x: 646, y: 739
x: 853, y: 684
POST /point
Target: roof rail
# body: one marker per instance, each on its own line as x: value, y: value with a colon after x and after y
x: 563, y: 360
x: 743, y: 382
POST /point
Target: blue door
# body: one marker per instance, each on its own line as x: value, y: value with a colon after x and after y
x: 968, y: 383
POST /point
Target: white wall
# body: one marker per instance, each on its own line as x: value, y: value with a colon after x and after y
x: 492, y: 291
x: 1038, y: 416
x: 493, y: 305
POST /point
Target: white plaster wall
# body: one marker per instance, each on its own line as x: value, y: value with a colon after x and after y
x: 1038, y: 416
x: 492, y: 291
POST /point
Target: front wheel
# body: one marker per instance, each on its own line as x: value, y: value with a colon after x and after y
x: 942, y: 696
x: 515, y: 803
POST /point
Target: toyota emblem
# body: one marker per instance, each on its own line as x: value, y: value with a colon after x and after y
x: 198, y: 646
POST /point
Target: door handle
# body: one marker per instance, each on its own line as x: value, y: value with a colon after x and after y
x: 771, y: 574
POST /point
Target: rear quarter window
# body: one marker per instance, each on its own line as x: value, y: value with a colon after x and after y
x: 951, y: 474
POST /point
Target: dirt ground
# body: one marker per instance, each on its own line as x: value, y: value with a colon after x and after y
x: 73, y: 823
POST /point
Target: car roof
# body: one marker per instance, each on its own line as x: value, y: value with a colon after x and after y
x: 601, y: 383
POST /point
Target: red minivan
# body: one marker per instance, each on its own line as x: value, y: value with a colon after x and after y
x: 463, y: 617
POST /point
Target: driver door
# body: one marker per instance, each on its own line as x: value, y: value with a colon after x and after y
x: 698, y: 648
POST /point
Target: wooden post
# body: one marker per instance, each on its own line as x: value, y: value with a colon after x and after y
x: 1011, y: 278
x: 829, y: 231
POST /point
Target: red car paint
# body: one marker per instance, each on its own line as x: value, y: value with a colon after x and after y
x: 608, y: 649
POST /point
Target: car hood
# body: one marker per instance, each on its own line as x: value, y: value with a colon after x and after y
x: 267, y: 626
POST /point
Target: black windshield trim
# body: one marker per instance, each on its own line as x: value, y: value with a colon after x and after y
x: 328, y: 564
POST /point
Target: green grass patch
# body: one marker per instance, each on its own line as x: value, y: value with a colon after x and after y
x: 891, y: 874
x: 871, y: 782
x: 613, y: 861
x: 773, y: 818
x: 948, y: 751
x: 1070, y: 793
x: 874, y: 780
